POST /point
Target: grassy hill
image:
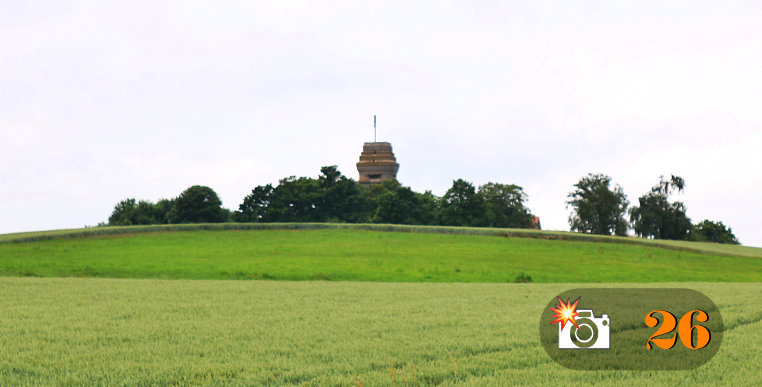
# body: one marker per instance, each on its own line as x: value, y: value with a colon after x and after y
x: 700, y: 247
x: 361, y: 253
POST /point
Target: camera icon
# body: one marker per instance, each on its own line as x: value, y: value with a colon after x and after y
x: 592, y: 332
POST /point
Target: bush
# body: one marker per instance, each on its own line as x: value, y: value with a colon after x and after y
x: 522, y: 278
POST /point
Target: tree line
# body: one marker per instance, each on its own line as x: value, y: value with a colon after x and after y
x: 596, y: 207
x: 333, y: 197
x: 599, y: 208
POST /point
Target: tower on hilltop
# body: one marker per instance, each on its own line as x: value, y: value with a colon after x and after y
x: 377, y: 163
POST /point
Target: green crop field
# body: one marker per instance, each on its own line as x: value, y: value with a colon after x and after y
x: 359, y: 255
x: 700, y: 247
x: 182, y: 332
x: 407, y: 306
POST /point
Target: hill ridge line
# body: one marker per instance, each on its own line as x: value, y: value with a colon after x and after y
x: 696, y: 247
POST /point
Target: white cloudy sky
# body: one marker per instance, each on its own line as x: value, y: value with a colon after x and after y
x: 100, y: 100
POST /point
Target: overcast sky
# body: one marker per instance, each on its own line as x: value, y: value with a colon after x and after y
x: 101, y: 101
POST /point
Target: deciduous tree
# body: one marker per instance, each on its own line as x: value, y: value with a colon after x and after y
x: 708, y: 231
x: 255, y: 206
x: 461, y: 206
x: 504, y: 205
x: 198, y: 204
x: 658, y: 218
x: 596, y: 207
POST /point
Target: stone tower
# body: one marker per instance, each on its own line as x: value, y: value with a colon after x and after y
x: 377, y: 163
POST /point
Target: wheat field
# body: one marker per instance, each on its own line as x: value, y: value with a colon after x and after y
x: 84, y: 331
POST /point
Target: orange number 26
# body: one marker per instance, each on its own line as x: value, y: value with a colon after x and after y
x: 685, y: 329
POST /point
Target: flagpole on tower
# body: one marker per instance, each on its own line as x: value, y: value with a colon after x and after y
x: 374, y: 128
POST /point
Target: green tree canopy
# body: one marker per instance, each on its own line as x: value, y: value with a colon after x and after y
x: 197, y: 204
x: 401, y: 205
x: 128, y: 212
x: 596, y: 207
x: 296, y: 200
x: 461, y: 206
x: 657, y: 217
x: 333, y: 197
x: 255, y: 205
x: 339, y: 197
x: 708, y: 231
x: 504, y: 205
x: 123, y: 214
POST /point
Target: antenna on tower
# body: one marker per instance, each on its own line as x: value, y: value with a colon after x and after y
x: 374, y: 128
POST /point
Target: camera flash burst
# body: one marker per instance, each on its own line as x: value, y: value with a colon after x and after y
x: 565, y: 312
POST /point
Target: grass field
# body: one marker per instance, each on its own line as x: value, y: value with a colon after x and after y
x: 698, y: 247
x: 359, y: 255
x: 181, y: 332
